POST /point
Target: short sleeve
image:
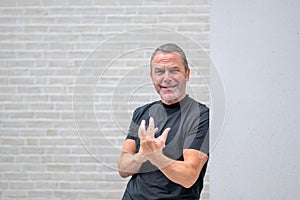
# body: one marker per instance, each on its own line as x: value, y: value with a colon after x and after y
x: 198, y: 136
x: 133, y: 128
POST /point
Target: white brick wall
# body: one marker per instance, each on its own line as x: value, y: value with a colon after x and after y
x: 44, y: 47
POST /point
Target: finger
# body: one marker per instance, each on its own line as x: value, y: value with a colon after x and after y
x: 151, y: 130
x: 142, y: 131
x: 164, y: 135
x: 155, y: 130
x: 151, y: 124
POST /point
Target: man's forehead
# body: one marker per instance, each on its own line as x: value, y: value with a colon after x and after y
x: 167, y: 56
x: 167, y: 59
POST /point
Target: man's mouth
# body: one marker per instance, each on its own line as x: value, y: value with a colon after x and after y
x: 167, y: 87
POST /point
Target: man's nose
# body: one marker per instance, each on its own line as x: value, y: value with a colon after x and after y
x: 167, y: 77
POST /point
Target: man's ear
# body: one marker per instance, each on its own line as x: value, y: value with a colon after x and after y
x: 187, y: 74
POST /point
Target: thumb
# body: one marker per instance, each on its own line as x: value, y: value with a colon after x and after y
x: 164, y: 135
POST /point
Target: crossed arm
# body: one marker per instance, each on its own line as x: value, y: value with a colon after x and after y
x: 183, y: 172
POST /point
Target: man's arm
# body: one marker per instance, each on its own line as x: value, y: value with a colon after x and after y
x: 184, y: 172
x: 129, y: 162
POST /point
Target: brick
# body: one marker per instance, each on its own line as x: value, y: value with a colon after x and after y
x: 94, y: 19
x: 66, y: 194
x: 10, y: 29
x: 91, y: 177
x: 29, y: 132
x: 37, y: 124
x: 21, y: 115
x: 7, y: 3
x: 42, y: 106
x: 16, y: 176
x: 14, y: 194
x: 108, y: 185
x: 10, y: 168
x: 40, y: 194
x: 42, y: 20
x: 6, y: 131
x: 8, y: 20
x: 6, y: 98
x: 67, y: 132
x: 36, y: 11
x: 40, y: 176
x: 33, y: 150
x: 66, y: 176
x: 84, y: 168
x: 46, y: 115
x: 12, y: 141
x: 94, y: 195
x: 66, y: 115
x: 79, y: 186
x: 11, y: 10
x: 59, y: 168
x: 35, y: 29
x: 53, y: 3
x: 51, y: 141
x: 46, y: 185
x: 6, y: 159
x: 64, y: 159
x: 88, y: 159
x: 52, y: 132
x: 32, y: 89
x: 3, y: 186
x: 63, y: 125
x: 28, y: 159
x: 15, y: 106
x: 112, y: 176
x: 8, y: 90
x: 36, y: 3
x: 68, y: 20
x: 20, y: 81
x: 14, y: 124
x: 85, y: 28
x: 61, y: 81
x: 32, y: 141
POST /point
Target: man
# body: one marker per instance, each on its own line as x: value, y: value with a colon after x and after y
x: 166, y: 149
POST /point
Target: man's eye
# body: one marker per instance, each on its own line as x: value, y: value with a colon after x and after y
x: 159, y: 71
x: 174, y: 71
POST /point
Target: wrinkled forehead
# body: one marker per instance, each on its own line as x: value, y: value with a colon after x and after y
x: 166, y: 59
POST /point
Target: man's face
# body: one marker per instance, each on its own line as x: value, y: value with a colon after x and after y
x: 169, y: 77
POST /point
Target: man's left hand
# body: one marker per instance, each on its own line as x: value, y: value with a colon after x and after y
x: 149, y: 145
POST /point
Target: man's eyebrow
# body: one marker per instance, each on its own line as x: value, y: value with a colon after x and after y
x: 158, y: 66
x: 163, y: 66
x: 175, y: 67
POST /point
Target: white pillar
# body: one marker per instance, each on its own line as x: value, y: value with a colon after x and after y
x: 255, y: 46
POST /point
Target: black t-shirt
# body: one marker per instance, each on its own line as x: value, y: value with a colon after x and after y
x: 189, y: 121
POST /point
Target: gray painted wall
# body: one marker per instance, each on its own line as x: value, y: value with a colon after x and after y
x: 255, y: 48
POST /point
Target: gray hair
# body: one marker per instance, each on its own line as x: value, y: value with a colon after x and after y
x: 170, y: 48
